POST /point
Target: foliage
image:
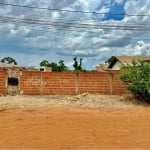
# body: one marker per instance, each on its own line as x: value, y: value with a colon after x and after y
x: 77, y: 66
x: 137, y: 79
x: 8, y: 60
x: 44, y: 63
x: 55, y: 67
x: 62, y: 66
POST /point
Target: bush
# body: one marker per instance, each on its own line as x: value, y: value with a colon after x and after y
x: 137, y: 79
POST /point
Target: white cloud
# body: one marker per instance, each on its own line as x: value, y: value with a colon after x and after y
x: 119, y: 1
x: 142, y: 48
x: 12, y: 31
x: 55, y: 15
x: 21, y: 31
x: 137, y: 7
x: 76, y: 33
x: 35, y: 39
x: 103, y: 49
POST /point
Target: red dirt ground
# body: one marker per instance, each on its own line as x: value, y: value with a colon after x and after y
x: 75, y: 129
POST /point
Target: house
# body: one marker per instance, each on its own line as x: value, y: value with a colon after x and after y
x: 102, y: 67
x: 41, y: 68
x: 117, y: 61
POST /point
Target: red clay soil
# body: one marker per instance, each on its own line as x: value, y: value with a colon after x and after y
x: 75, y: 129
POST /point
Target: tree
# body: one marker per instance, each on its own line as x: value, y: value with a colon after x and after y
x: 62, y: 66
x: 8, y: 60
x: 137, y: 79
x: 44, y: 63
x: 77, y: 67
x: 55, y: 67
x: 80, y: 64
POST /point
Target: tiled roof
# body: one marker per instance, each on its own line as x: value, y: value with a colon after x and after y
x: 127, y: 60
x: 130, y: 59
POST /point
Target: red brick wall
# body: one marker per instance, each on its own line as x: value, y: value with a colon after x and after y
x: 58, y: 83
x: 30, y: 82
x: 47, y: 83
x: 69, y: 83
x: 117, y: 86
x: 94, y: 83
x: 3, y: 75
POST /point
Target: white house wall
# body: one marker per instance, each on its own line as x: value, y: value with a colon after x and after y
x: 116, y: 66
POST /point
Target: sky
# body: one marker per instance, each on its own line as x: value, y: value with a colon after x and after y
x: 54, y: 30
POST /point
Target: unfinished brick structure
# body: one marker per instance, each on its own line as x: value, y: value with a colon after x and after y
x: 64, y: 83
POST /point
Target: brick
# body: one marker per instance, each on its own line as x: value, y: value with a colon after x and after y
x: 3, y: 89
x: 65, y: 83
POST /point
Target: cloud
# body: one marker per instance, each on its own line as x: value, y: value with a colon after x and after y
x: 21, y: 31
x: 119, y: 1
x: 63, y: 34
x: 140, y: 48
x: 55, y: 15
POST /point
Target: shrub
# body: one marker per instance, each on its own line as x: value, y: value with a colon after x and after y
x: 137, y: 79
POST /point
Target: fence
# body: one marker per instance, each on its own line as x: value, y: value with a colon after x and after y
x: 65, y: 83
x: 70, y: 83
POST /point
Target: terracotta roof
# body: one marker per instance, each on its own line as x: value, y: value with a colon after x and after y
x: 130, y: 59
x: 127, y: 60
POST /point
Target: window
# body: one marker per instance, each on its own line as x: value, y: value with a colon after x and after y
x: 42, y: 69
x: 13, y: 81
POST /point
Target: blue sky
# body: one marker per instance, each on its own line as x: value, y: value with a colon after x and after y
x: 118, y: 27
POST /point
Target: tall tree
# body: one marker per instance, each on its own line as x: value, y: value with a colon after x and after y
x: 62, y: 66
x: 77, y: 66
x: 8, y: 60
x: 80, y: 64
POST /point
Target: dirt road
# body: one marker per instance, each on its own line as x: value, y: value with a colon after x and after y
x: 54, y: 128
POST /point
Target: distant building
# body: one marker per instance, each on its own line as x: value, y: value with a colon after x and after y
x: 41, y: 68
x: 45, y: 69
x: 117, y: 61
x: 10, y: 66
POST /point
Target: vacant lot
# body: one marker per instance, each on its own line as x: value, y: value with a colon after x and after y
x: 80, y: 101
x: 73, y: 122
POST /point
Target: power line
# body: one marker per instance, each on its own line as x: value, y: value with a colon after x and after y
x: 71, y: 25
x: 77, y: 20
x: 63, y: 29
x: 73, y: 11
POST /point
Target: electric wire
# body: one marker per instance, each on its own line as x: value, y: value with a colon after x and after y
x: 64, y: 24
x: 73, y: 11
x: 74, y: 25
